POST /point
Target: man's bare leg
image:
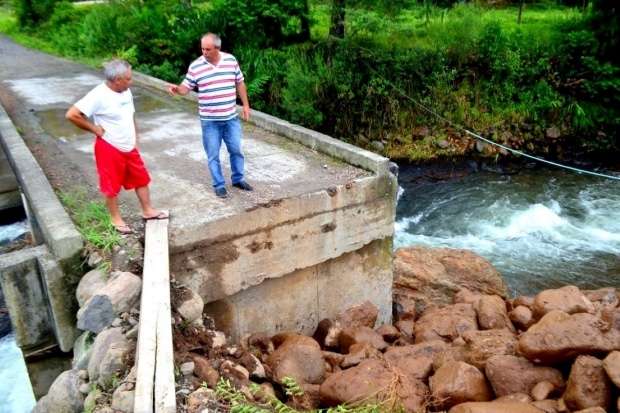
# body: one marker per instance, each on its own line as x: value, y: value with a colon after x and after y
x: 145, y: 202
x: 115, y: 214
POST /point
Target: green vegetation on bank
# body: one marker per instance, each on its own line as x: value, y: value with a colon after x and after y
x: 92, y: 220
x: 549, y: 84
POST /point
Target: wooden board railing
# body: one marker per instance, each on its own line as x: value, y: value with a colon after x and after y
x: 155, y: 391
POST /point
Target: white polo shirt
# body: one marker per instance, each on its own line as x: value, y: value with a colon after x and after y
x: 114, y: 112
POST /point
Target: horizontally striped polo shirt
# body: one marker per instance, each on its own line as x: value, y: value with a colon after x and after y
x: 217, y: 86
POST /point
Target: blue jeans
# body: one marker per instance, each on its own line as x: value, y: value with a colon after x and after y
x: 213, y: 133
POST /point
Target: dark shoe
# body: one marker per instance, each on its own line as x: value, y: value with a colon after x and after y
x: 221, y: 192
x: 243, y: 185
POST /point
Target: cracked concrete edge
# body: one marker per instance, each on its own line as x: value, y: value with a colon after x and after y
x: 314, y: 140
x: 59, y: 232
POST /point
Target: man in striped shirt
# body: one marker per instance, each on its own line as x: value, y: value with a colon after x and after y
x: 217, y: 77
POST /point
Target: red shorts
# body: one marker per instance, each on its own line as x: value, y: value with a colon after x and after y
x: 117, y: 168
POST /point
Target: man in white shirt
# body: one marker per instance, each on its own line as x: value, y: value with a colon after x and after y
x: 118, y: 161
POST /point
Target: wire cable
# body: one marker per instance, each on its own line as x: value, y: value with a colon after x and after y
x: 477, y: 136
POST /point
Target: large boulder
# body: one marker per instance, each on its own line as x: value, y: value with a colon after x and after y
x: 431, y: 276
x: 446, y: 323
x: 588, y: 385
x: 495, y: 407
x: 458, y: 382
x: 96, y: 314
x: 89, y: 284
x: 511, y: 374
x: 373, y: 380
x: 64, y: 395
x: 567, y: 299
x: 559, y: 336
x: 480, y: 345
x: 299, y: 357
x: 359, y: 335
x: 123, y: 289
x: 82, y: 348
x: 415, y: 360
x: 188, y: 304
x: 612, y: 367
x: 119, y: 294
x: 108, y: 356
x: 363, y: 315
x: 492, y: 314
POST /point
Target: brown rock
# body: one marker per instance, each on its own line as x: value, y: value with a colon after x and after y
x: 492, y: 314
x: 406, y: 328
x: 464, y: 296
x: 363, y: 315
x: 592, y: 410
x: 204, y: 371
x: 480, y: 345
x: 358, y: 335
x: 611, y: 364
x: 542, y: 390
x: 372, y: 380
x: 332, y: 358
x: 446, y: 323
x: 547, y: 406
x: 399, y: 356
x: 451, y: 353
x: 298, y: 357
x: 262, y: 342
x: 515, y: 397
x: 559, y: 336
x: 434, y: 275
x: 523, y: 300
x: 458, y: 382
x: 511, y: 374
x: 390, y: 333
x: 567, y: 299
x: 309, y: 400
x: 495, y: 407
x: 587, y: 385
x: 521, y: 317
x: 200, y: 400
x: 603, y: 296
x: 358, y: 353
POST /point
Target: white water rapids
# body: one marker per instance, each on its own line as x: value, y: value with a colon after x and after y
x: 540, y: 229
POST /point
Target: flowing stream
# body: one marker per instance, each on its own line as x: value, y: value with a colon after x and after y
x: 540, y: 228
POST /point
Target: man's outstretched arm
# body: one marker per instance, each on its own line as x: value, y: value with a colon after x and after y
x: 178, y: 90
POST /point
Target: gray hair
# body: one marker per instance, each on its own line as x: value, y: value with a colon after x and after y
x: 217, y: 41
x: 115, y: 68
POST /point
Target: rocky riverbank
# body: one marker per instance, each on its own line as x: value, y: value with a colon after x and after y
x: 458, y: 344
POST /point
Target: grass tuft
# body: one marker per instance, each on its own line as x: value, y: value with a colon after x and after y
x: 92, y: 220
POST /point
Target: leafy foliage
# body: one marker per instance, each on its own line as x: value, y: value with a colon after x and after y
x: 471, y: 64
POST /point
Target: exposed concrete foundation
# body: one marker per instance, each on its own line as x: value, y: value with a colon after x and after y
x: 299, y: 300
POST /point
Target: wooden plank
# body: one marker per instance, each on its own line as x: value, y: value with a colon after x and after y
x: 165, y: 394
x: 155, y: 269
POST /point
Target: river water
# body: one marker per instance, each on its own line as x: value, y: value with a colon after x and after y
x: 540, y: 228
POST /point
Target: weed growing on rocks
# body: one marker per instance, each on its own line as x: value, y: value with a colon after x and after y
x: 92, y: 220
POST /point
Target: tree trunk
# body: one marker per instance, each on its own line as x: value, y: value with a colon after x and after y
x: 520, y: 11
x: 337, y: 21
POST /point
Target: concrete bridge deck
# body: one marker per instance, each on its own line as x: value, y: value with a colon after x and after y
x: 313, y: 238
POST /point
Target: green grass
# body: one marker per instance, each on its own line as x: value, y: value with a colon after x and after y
x: 416, y: 25
x: 92, y: 220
